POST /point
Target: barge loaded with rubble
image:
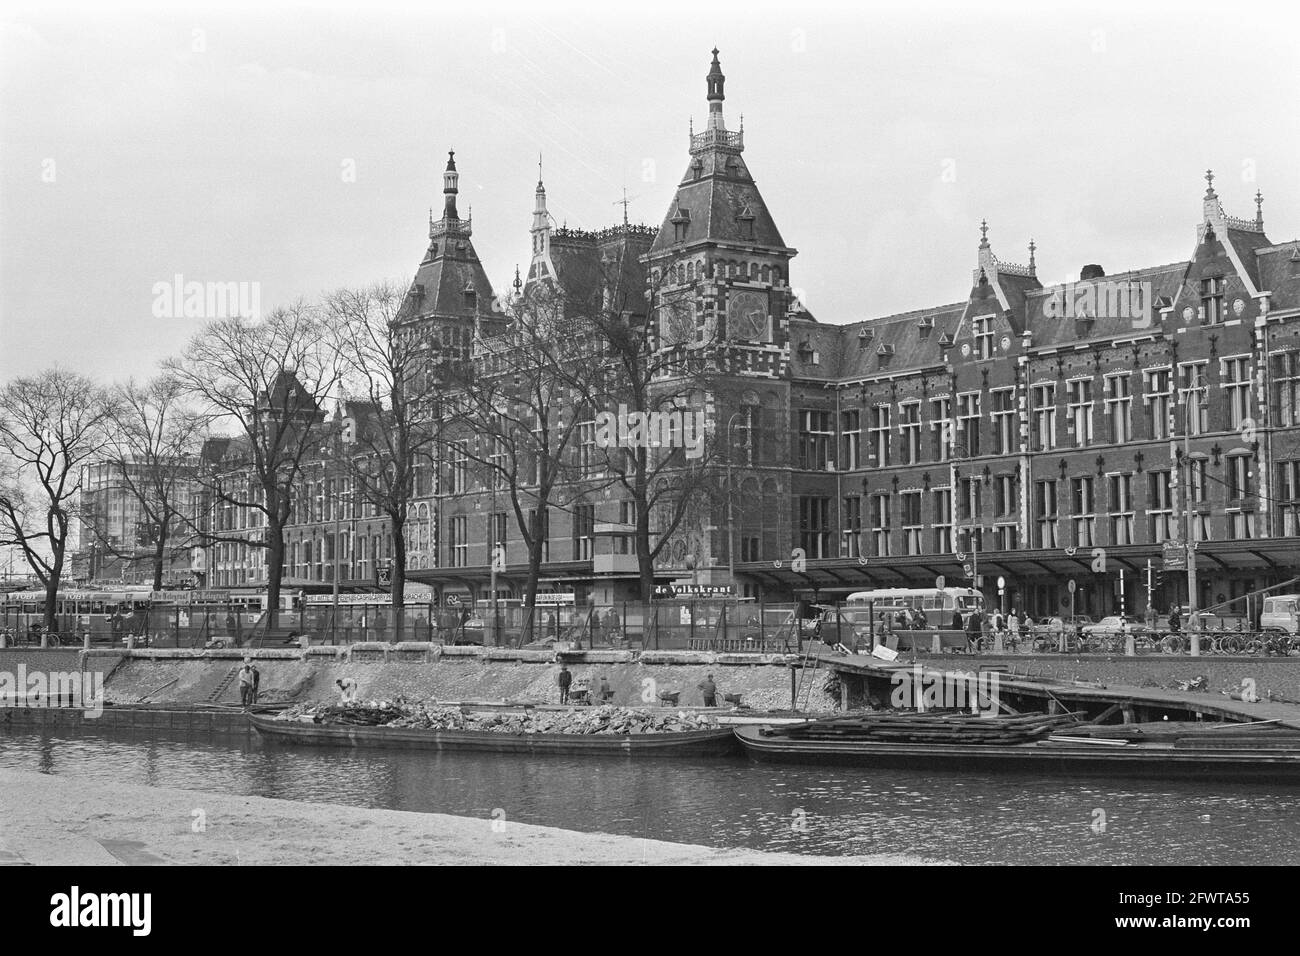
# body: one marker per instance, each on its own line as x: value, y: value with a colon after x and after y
x: 601, y: 731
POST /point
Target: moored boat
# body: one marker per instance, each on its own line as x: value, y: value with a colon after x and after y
x: 715, y: 741
x: 1201, y: 755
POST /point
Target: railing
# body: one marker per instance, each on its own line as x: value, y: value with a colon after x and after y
x: 1217, y: 642
x: 718, y: 137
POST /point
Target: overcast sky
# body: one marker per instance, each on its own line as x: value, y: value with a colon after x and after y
x: 139, y: 143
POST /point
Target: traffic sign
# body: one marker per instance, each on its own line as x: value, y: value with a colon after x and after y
x: 941, y: 582
x: 1072, y: 586
x: 1002, y: 583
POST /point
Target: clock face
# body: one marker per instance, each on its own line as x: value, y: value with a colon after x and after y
x: 747, y: 315
x: 677, y: 321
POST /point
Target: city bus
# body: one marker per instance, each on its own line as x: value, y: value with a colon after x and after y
x: 941, y: 606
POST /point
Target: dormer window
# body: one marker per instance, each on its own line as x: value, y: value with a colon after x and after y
x: 883, y: 354
x: 471, y: 297
x: 745, y: 219
x: 697, y: 168
x: 925, y: 326
x: 865, y: 336
x: 681, y: 223
x: 808, y: 354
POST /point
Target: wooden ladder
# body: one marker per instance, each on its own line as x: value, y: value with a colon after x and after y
x: 223, y: 686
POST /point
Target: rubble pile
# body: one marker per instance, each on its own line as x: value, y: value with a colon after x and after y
x: 430, y: 716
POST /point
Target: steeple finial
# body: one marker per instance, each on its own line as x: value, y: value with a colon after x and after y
x: 539, y: 169
x: 715, y: 81
x: 519, y: 283
x: 984, y: 233
x: 1209, y: 184
x: 1259, y: 208
x: 1032, y: 248
x: 450, y: 187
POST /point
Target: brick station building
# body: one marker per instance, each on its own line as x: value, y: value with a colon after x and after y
x: 1032, y: 433
x: 1037, y: 434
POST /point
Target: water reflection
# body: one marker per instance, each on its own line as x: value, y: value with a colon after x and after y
x: 964, y: 817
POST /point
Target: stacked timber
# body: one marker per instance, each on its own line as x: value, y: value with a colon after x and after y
x: 935, y: 728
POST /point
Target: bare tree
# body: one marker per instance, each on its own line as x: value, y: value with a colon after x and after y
x: 507, y: 424
x: 267, y: 380
x: 51, y: 425
x: 660, y: 366
x: 152, y: 456
x: 387, y: 365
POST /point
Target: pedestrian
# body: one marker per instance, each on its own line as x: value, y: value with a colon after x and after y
x: 974, y: 629
x: 564, y: 679
x: 347, y: 689
x: 230, y: 622
x: 612, y: 624
x: 956, y: 620
x: 606, y: 694
x: 709, y: 691
x: 246, y: 683
x: 257, y: 680
x: 1175, y: 621
x: 1013, y: 621
x: 998, y: 622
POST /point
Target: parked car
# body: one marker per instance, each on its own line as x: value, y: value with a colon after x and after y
x: 1061, y: 623
x: 1116, y: 626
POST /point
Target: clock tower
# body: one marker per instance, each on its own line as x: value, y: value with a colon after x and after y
x: 718, y: 263
x: 719, y: 282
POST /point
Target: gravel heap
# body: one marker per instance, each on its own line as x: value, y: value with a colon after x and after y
x: 428, y: 716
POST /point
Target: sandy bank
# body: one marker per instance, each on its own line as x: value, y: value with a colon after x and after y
x: 46, y: 819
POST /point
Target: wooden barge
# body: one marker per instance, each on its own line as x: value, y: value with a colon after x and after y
x: 712, y: 742
x: 1036, y: 744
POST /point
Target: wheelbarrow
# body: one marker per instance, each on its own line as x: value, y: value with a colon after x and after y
x: 580, y: 692
x: 668, y: 698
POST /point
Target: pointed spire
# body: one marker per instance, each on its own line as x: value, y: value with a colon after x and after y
x: 1259, y: 208
x: 1209, y: 184
x: 1032, y: 248
x: 519, y: 283
x: 716, y: 81
x: 984, y: 233
x: 450, y: 187
x: 541, y: 228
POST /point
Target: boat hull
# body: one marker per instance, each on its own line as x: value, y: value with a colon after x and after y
x: 1160, y: 761
x: 685, y: 743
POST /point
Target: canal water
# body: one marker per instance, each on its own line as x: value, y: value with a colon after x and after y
x: 953, y: 817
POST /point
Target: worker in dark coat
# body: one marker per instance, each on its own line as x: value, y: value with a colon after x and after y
x: 564, y: 680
